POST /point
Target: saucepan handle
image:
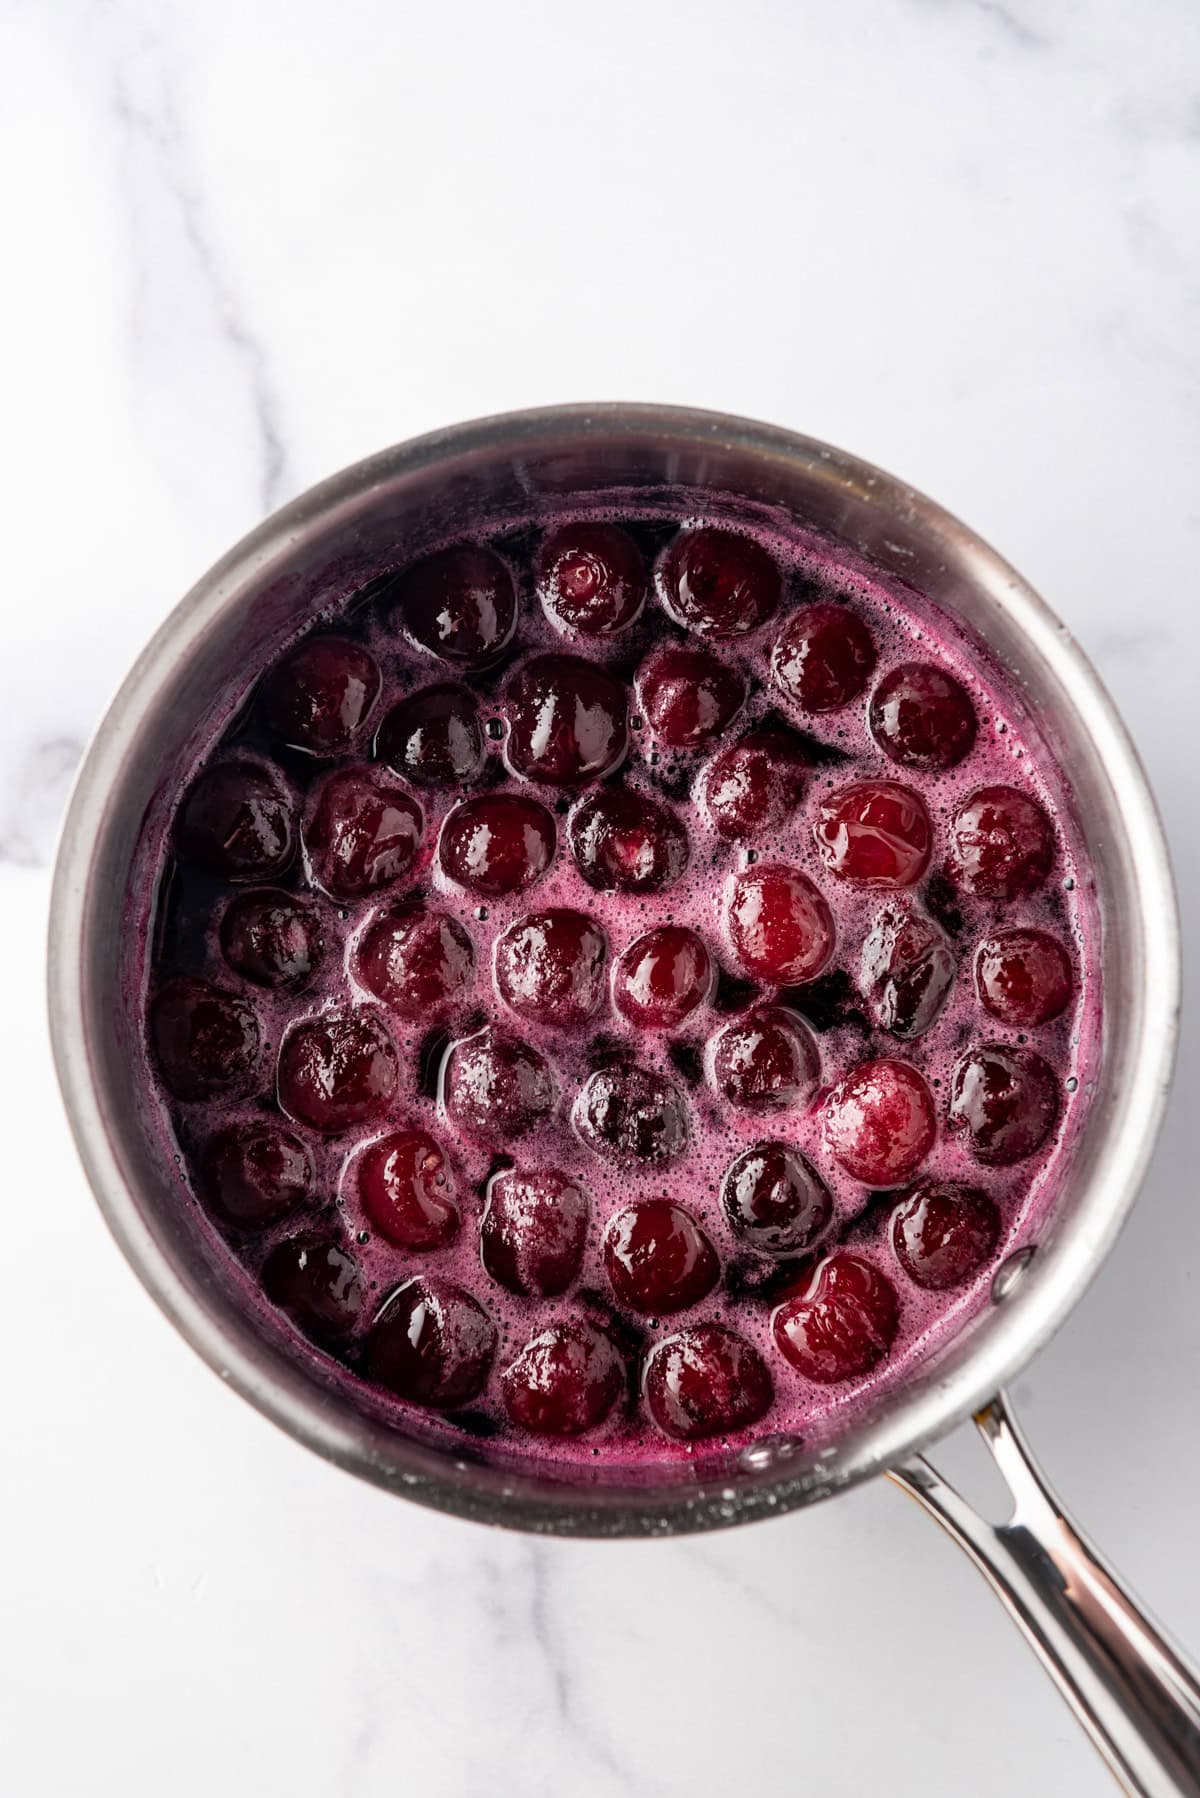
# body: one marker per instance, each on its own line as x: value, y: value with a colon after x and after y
x: 1134, y: 1693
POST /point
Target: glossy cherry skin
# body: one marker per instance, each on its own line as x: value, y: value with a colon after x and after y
x: 755, y: 784
x: 688, y: 696
x: 320, y: 696
x: 407, y: 1190
x: 236, y: 821
x: 1005, y: 1100
x: 361, y: 832
x: 497, y: 843
x: 460, y: 605
x: 624, y: 842
x: 879, y: 1122
x: 706, y: 1380
x: 631, y: 1116
x: 876, y: 833
x: 206, y: 1040
x: 254, y: 1172
x: 432, y: 1343
x: 495, y: 1086
x: 568, y: 721
x: 662, y: 977
x: 943, y: 1233
x: 550, y: 967
x: 434, y: 737
x: 766, y: 1060
x: 775, y: 1200
x: 823, y: 657
x: 1001, y: 844
x: 272, y: 938
x: 1023, y: 977
x: 532, y: 1232
x: 842, y: 1324
x: 337, y: 1070
x: 416, y: 960
x: 780, y: 927
x: 908, y: 970
x: 565, y: 1380
x: 591, y: 579
x: 318, y: 1283
x: 717, y: 583
x: 658, y: 1259
x: 923, y: 718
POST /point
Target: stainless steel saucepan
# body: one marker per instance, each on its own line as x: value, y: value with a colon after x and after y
x: 1133, y: 1692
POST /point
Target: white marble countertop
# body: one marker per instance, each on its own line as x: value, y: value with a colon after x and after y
x: 245, y: 244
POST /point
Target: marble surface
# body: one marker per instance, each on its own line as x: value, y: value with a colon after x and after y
x: 247, y: 244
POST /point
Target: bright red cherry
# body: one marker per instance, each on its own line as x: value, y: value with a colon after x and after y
x: 662, y: 977
x: 432, y: 1343
x: 1023, y: 977
x: 550, y: 966
x: 706, y: 1381
x: 591, y: 579
x: 1001, y: 844
x: 922, y: 717
x: 766, y: 1060
x: 497, y: 843
x: 1005, y: 1100
x: 318, y: 1283
x: 272, y: 938
x: 718, y: 583
x: 495, y: 1086
x: 874, y: 832
x: 908, y: 970
x: 823, y: 657
x: 780, y: 927
x: 434, y: 737
x: 407, y: 1190
x: 632, y: 1116
x: 361, y: 831
x: 565, y: 1380
x: 775, y: 1199
x: 842, y: 1324
x: 943, y: 1233
x: 459, y: 604
x: 532, y: 1232
x: 658, y: 1259
x: 255, y: 1172
x: 688, y: 696
x: 755, y: 784
x: 337, y: 1070
x: 879, y: 1122
x: 417, y: 961
x: 320, y: 696
x: 568, y: 721
x: 206, y: 1040
x: 627, y: 843
x: 236, y: 821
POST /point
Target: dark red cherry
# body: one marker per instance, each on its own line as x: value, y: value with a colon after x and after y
x: 236, y: 821
x: 780, y: 928
x: 626, y: 843
x: 755, y: 784
x: 568, y: 721
x: 459, y: 604
x: 823, y: 657
x: 879, y: 1122
x: 706, y: 1381
x: 565, y: 1380
x: 718, y: 583
x: 922, y: 717
x: 496, y: 1086
x: 318, y: 1283
x: 361, y: 831
x: 1001, y: 844
x: 688, y: 696
x: 550, y: 966
x: 497, y: 843
x: 319, y: 697
x: 842, y: 1324
x: 337, y: 1070
x: 434, y: 737
x: 661, y: 977
x: 417, y: 962
x: 775, y: 1199
x: 206, y: 1040
x: 631, y: 1116
x: 407, y: 1190
x: 658, y: 1258
x: 874, y: 832
x: 908, y: 970
x: 272, y: 938
x: 766, y: 1060
x: 1023, y: 977
x: 532, y: 1232
x: 432, y: 1343
x: 944, y: 1232
x: 255, y: 1172
x: 1005, y: 1100
x: 591, y: 579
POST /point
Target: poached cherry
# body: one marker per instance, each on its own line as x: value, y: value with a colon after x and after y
x: 361, y: 831
x: 206, y: 1040
x: 755, y: 784
x: 775, y: 1200
x: 658, y: 1259
x: 662, y: 977
x: 632, y: 1116
x: 923, y: 718
x: 495, y: 1086
x: 337, y: 1070
x: 407, y: 1190
x: 1023, y: 977
x: 591, y: 579
x: 497, y: 843
x: 1005, y: 1100
x: 1001, y: 844
x: 766, y: 1060
x: 318, y: 1283
x: 459, y: 605
x: 532, y: 1232
x: 879, y: 1122
x: 841, y: 1324
x: 706, y: 1380
x: 943, y: 1233
x: 876, y: 833
x: 236, y: 821
x: 780, y: 927
x: 255, y: 1172
x: 717, y: 582
x: 550, y: 966
x: 320, y: 696
x: 823, y: 657
x: 688, y: 695
x: 565, y: 1380
x: 416, y: 960
x: 432, y: 1343
x: 567, y: 719
x: 908, y: 971
x: 434, y: 737
x: 272, y: 938
x: 625, y: 842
